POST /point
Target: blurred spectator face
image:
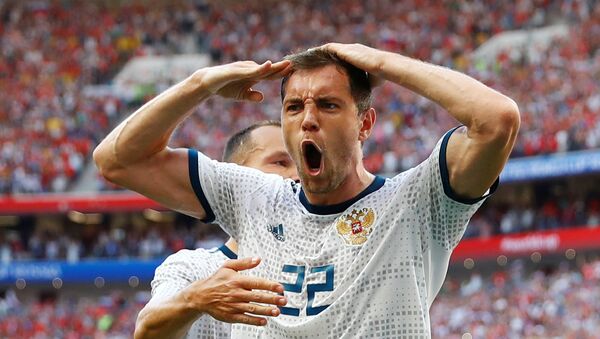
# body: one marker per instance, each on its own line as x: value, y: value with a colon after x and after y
x: 268, y: 153
x: 321, y: 127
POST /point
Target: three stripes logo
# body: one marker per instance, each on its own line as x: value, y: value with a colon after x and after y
x: 277, y: 231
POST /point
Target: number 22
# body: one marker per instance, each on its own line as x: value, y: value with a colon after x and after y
x: 311, y: 289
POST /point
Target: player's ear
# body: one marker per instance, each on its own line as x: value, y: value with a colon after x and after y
x: 367, y: 120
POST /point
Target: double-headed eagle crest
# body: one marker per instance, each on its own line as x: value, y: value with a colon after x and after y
x: 354, y: 227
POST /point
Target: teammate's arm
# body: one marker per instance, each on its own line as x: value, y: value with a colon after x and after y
x: 226, y: 296
x: 135, y: 154
x: 476, y: 153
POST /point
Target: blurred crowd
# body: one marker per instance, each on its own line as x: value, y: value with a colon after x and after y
x: 53, y: 52
x: 556, y: 302
x: 547, y: 212
x: 153, y: 241
x: 109, y: 316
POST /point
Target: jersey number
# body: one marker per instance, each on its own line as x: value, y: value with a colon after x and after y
x: 311, y: 289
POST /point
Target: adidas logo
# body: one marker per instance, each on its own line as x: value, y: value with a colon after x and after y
x: 277, y: 231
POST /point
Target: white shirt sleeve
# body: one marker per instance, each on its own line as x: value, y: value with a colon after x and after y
x: 445, y: 218
x: 181, y: 269
x: 223, y: 189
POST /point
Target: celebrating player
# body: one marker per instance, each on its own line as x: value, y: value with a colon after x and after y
x: 197, y: 274
x: 358, y: 255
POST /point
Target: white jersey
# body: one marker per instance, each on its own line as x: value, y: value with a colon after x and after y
x: 181, y: 269
x: 368, y: 267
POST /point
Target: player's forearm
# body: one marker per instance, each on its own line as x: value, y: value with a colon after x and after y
x: 169, y: 319
x: 147, y: 131
x: 482, y: 109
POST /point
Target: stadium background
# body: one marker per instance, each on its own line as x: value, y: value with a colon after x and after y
x: 77, y: 254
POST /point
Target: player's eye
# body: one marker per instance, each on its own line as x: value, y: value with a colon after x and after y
x: 292, y: 108
x: 329, y: 106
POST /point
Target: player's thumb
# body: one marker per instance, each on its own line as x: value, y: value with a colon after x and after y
x: 242, y: 264
x: 252, y: 95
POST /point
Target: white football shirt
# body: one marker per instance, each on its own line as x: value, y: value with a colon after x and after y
x: 181, y: 269
x: 368, y: 267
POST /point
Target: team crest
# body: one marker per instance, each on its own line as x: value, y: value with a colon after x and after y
x: 355, y: 227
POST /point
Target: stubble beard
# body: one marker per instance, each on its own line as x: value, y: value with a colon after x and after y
x: 328, y: 181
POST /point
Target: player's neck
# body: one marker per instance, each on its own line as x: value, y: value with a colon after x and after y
x: 354, y: 183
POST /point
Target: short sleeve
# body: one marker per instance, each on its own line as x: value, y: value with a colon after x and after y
x: 443, y: 216
x: 450, y: 213
x: 181, y: 269
x: 223, y: 189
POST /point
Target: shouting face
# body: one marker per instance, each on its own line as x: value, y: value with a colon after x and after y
x: 322, y: 128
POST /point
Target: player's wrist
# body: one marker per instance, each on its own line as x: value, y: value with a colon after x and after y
x: 200, y: 83
x: 192, y: 301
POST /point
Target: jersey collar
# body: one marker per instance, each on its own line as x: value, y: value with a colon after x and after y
x: 228, y: 252
x: 338, y: 208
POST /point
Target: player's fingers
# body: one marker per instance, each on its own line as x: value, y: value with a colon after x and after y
x: 252, y: 95
x: 254, y: 283
x: 255, y: 309
x: 242, y: 264
x: 281, y: 73
x: 257, y: 296
x: 275, y: 70
x: 280, y: 66
x: 247, y: 319
x: 330, y: 47
x: 251, y: 70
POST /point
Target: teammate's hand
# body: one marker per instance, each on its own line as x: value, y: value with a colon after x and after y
x: 234, y: 298
x: 235, y: 80
x: 366, y: 58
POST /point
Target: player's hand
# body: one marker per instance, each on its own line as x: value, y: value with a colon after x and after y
x: 366, y: 58
x: 235, y: 298
x: 235, y: 80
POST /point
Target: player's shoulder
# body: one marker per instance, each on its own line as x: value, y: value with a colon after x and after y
x: 191, y: 264
x: 199, y: 255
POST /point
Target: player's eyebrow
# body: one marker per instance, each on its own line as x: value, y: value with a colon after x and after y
x: 327, y: 98
x: 279, y: 154
x: 319, y: 98
x: 293, y: 100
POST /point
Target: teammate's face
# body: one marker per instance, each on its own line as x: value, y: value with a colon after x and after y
x: 268, y: 153
x: 321, y: 127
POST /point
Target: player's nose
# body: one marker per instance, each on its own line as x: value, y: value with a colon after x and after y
x: 310, y: 121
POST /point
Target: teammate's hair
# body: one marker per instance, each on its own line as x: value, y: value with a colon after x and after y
x: 360, y: 87
x: 240, y: 142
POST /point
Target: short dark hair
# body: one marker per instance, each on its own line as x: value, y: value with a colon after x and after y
x: 241, y: 140
x: 360, y: 87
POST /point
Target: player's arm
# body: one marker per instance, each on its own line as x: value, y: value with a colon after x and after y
x: 135, y: 154
x: 476, y: 153
x: 226, y: 296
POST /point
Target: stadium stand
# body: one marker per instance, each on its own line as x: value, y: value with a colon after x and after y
x: 516, y: 302
x: 57, y: 64
x: 53, y: 124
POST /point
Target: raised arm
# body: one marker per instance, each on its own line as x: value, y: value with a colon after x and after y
x: 476, y: 153
x: 135, y: 154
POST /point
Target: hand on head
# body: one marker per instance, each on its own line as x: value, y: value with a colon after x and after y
x: 360, y: 56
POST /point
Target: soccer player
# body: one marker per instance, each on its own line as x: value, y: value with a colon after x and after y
x: 201, y: 271
x: 358, y: 255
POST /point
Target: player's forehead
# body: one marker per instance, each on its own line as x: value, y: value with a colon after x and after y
x: 326, y: 81
x: 268, y: 138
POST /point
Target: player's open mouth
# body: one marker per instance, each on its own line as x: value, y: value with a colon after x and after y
x: 313, y: 158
